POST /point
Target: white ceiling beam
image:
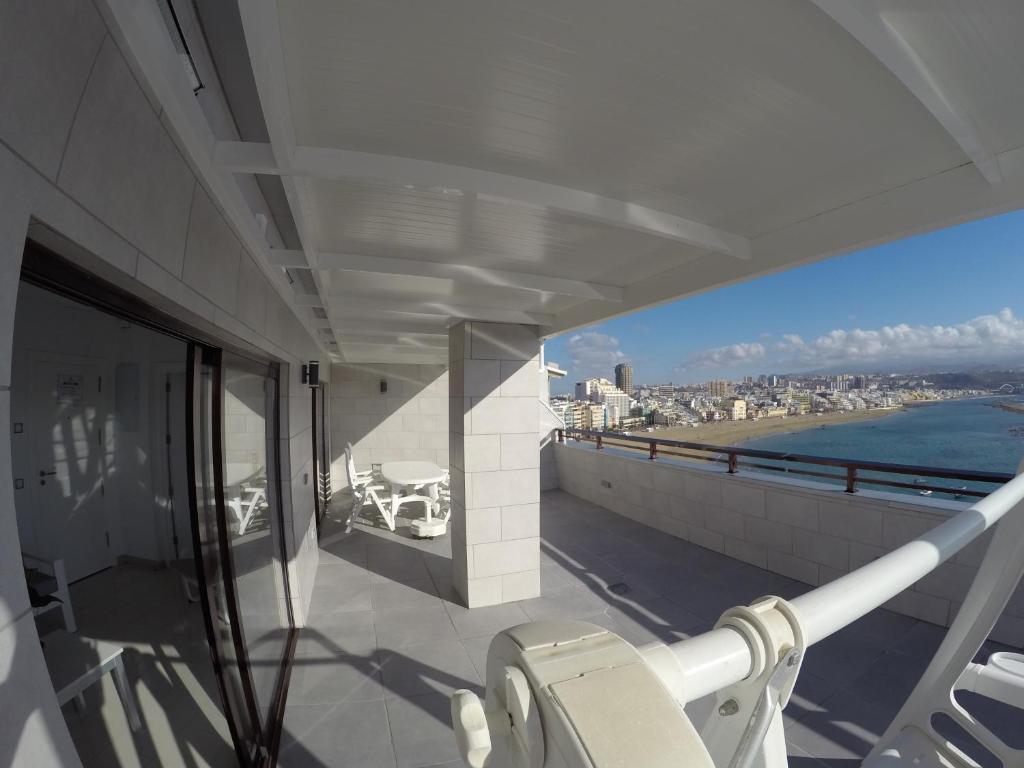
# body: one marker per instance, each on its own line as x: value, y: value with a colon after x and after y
x: 340, y: 164
x: 405, y: 325
x: 464, y: 273
x: 266, y: 54
x: 361, y: 355
x: 437, y: 337
x: 355, y: 308
x: 400, y: 340
x: 886, y: 44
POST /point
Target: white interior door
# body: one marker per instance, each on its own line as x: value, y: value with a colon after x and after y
x: 70, y: 451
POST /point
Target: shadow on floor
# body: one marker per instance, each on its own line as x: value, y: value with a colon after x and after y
x: 389, y: 641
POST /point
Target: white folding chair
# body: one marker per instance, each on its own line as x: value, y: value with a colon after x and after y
x: 356, y: 479
x: 386, y: 503
x: 47, y: 577
x: 245, y: 507
x: 357, y: 483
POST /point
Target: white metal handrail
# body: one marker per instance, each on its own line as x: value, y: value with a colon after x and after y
x: 710, y: 662
x: 556, y: 422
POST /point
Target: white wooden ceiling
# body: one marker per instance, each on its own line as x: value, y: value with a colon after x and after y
x: 562, y: 161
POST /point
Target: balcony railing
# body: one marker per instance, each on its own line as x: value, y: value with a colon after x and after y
x: 850, y: 471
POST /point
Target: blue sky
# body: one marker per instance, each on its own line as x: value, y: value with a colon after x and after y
x: 934, y: 299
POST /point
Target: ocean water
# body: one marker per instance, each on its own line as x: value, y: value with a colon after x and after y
x: 957, y: 434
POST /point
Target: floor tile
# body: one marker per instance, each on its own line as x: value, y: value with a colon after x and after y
x: 414, y: 626
x: 477, y: 648
x: 441, y: 667
x: 335, y: 597
x: 397, y: 595
x: 421, y: 730
x: 330, y: 679
x: 337, y: 632
x: 345, y: 735
x: 485, y: 621
x: 563, y: 603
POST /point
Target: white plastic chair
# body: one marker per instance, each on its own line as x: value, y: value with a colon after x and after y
x: 247, y: 506
x: 49, y: 578
x: 357, y: 482
x: 387, y: 504
x: 356, y: 479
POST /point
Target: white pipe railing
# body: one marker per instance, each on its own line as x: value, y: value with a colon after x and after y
x: 712, y: 661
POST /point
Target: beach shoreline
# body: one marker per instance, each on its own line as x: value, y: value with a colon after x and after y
x: 735, y: 433
x: 1011, y: 407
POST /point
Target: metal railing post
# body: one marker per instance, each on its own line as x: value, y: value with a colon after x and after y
x: 599, y: 445
x: 733, y: 464
x: 654, y: 450
x: 851, y: 479
x: 561, y: 436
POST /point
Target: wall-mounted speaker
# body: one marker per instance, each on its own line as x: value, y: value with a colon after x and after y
x: 311, y: 374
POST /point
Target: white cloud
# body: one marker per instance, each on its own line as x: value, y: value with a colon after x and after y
x: 593, y: 354
x: 988, y: 337
x: 723, y: 357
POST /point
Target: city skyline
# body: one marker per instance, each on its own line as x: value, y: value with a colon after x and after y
x: 924, y: 302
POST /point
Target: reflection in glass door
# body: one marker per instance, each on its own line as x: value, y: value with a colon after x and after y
x: 203, y: 421
x: 238, y: 530
x: 254, y: 532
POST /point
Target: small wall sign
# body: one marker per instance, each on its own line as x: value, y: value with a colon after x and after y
x: 69, y: 389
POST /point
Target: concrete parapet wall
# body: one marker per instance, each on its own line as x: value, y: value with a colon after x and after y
x: 807, y: 531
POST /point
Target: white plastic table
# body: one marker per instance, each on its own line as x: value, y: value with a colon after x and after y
x: 405, y: 474
x: 76, y: 662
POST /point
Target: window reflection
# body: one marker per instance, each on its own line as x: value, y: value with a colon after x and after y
x: 249, y: 434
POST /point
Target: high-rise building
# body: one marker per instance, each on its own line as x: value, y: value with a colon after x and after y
x: 719, y: 388
x: 624, y: 377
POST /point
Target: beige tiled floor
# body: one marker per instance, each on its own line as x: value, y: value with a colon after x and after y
x: 387, y: 642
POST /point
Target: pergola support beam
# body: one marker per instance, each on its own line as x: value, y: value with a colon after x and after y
x: 464, y: 273
x: 890, y: 48
x: 341, y: 164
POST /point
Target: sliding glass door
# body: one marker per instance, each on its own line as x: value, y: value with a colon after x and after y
x: 321, y: 451
x: 238, y: 526
x: 253, y: 529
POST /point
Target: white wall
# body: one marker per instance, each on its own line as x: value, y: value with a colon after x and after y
x: 87, y: 163
x: 807, y: 531
x: 409, y: 421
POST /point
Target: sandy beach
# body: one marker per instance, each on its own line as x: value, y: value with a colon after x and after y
x: 737, y: 432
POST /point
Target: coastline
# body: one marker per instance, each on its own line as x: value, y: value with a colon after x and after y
x: 734, y: 433
x: 1011, y: 407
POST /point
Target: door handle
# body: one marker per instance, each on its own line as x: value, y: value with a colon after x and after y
x: 44, y: 473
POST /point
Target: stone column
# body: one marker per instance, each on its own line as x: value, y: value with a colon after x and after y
x: 495, y: 461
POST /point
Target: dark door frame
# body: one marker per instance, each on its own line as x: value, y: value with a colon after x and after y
x: 50, y: 271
